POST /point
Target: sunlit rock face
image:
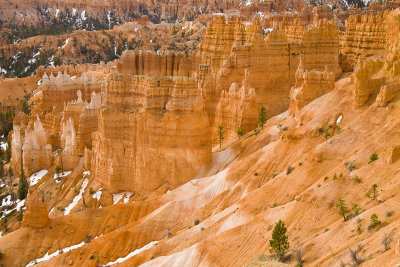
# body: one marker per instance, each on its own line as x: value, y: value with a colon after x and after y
x: 152, y: 129
x: 33, y: 147
x: 309, y: 86
x: 36, y: 214
x: 231, y: 46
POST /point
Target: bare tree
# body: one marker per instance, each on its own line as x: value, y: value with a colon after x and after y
x: 298, y: 252
x: 354, y: 255
x: 386, y: 241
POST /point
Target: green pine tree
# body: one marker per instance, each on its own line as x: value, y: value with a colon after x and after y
x: 279, y: 242
x: 262, y: 117
x: 341, y: 205
x: 23, y: 184
x: 220, y: 135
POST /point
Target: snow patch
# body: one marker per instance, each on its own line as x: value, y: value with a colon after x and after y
x: 3, y: 145
x: 61, y: 175
x: 247, y: 2
x: 66, y: 42
x: 133, y: 253
x: 35, y: 177
x: 117, y: 197
x: 83, y: 15
x: 97, y: 195
x: 339, y: 119
x: 52, y: 255
x: 76, y: 198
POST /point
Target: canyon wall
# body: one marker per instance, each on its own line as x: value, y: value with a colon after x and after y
x: 309, y: 86
x: 152, y: 130
x: 365, y: 36
x: 231, y: 46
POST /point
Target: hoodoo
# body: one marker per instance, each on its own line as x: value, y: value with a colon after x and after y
x: 176, y: 133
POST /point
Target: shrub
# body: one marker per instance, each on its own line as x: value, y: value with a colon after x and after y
x: 256, y: 174
x: 335, y: 177
x: 374, y: 221
x: 239, y: 132
x: 196, y: 222
x: 91, y: 191
x: 373, y: 157
x: 356, y: 209
x: 279, y: 242
x: 1, y: 255
x: 389, y: 213
x: 289, y: 170
x: 359, y: 230
x: 357, y: 179
x: 326, y: 178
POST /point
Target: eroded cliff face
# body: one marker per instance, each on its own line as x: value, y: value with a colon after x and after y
x: 236, y: 110
x: 309, y: 86
x: 230, y: 47
x: 142, y: 170
x: 365, y: 36
x: 152, y: 129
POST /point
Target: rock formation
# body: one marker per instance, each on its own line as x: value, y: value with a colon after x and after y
x: 367, y: 81
x: 309, y: 86
x: 63, y: 88
x: 36, y: 213
x: 387, y: 93
x: 69, y: 157
x: 34, y: 148
x: 230, y: 47
x: 365, y: 36
x: 237, y: 109
x: 152, y: 130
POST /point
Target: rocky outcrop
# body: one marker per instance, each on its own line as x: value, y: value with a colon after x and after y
x: 36, y: 214
x: 387, y: 93
x: 309, y: 86
x: 152, y: 130
x: 35, y: 151
x: 69, y: 157
x: 88, y: 123
x: 237, y: 109
x: 230, y: 47
x: 367, y: 80
x: 365, y: 36
x: 55, y: 91
x: 152, y: 64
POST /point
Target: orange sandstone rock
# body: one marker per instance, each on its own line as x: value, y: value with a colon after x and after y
x: 36, y: 214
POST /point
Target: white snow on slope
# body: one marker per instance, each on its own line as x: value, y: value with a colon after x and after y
x: 76, y: 198
x: 52, y: 255
x: 97, y: 195
x: 35, y: 177
x: 66, y: 42
x: 133, y: 253
x: 117, y: 197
